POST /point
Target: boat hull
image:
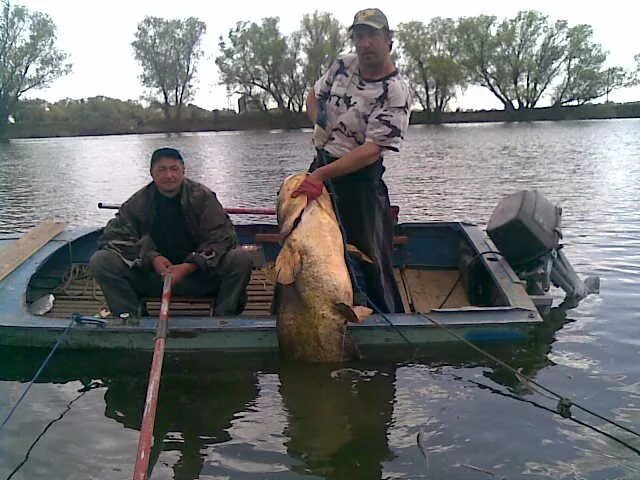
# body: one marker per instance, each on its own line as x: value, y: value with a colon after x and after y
x: 428, y: 244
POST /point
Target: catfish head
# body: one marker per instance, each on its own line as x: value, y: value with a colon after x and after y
x: 290, y: 209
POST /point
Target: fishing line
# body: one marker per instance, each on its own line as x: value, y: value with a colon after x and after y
x: 564, y: 403
x: 38, y: 372
x: 548, y: 409
x: 75, y: 318
x: 85, y: 389
x: 350, y: 266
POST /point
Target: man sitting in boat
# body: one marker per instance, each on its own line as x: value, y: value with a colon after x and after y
x: 172, y: 225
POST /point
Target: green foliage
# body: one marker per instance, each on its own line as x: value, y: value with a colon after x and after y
x: 583, y: 67
x: 530, y: 49
x: 516, y: 59
x: 634, y: 75
x: 253, y: 60
x: 521, y: 60
x: 524, y: 58
x: 29, y: 58
x: 258, y: 61
x: 98, y: 112
x: 430, y: 58
x: 585, y: 75
x: 168, y: 52
x: 323, y: 38
x: 477, y: 45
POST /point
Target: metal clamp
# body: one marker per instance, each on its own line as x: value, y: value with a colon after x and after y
x: 85, y: 320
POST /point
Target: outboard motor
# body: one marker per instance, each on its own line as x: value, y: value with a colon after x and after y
x: 525, y: 227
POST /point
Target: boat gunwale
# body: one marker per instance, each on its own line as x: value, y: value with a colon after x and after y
x: 517, y: 315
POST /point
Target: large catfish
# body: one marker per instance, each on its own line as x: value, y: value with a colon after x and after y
x: 314, y: 294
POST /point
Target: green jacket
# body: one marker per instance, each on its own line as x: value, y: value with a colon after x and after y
x: 128, y: 233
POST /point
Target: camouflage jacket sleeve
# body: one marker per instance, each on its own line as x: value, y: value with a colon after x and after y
x: 126, y: 235
x: 211, y: 225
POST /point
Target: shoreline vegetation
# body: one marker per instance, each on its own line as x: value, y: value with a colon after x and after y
x: 276, y: 120
x: 525, y: 61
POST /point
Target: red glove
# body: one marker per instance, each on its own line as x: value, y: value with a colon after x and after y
x: 310, y: 187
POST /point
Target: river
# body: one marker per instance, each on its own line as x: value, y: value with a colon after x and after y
x: 254, y: 418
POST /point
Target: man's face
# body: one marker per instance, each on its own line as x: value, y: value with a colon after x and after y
x: 371, y: 44
x: 168, y: 175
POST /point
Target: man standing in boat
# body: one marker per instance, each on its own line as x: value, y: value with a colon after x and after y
x: 172, y: 225
x: 360, y: 108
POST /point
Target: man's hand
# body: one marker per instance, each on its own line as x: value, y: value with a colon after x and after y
x: 321, y: 136
x: 161, y: 265
x: 180, y: 272
x: 311, y: 186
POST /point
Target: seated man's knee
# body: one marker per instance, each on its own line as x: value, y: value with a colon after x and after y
x: 240, y: 259
x: 104, y: 262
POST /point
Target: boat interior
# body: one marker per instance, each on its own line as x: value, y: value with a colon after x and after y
x: 436, y: 266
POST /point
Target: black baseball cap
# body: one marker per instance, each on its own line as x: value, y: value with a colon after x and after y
x: 166, y: 152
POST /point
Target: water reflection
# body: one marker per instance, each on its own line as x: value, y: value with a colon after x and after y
x: 193, y: 414
x: 338, y: 419
x: 247, y: 417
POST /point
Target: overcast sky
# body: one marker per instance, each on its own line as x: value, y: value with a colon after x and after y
x: 98, y: 34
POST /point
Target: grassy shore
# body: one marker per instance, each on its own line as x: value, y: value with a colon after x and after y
x: 276, y: 120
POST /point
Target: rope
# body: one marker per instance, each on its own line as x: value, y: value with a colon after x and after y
x: 38, y: 372
x: 83, y: 391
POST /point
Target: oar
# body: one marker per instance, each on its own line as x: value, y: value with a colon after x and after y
x: 234, y: 211
x: 149, y: 415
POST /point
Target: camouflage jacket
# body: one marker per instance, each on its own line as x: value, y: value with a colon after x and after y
x: 128, y: 233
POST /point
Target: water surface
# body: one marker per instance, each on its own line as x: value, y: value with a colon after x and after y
x: 254, y: 418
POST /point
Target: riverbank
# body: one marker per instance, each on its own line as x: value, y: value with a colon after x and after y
x: 227, y: 121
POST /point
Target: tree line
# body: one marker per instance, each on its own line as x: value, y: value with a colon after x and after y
x: 522, y: 61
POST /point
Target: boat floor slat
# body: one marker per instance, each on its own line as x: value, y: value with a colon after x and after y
x: 426, y: 289
x: 421, y: 290
x: 83, y: 295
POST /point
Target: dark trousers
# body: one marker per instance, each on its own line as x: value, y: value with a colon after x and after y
x: 123, y: 286
x: 362, y: 204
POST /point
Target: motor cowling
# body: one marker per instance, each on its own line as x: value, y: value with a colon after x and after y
x: 525, y: 227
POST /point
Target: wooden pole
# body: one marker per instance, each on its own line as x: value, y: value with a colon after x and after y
x: 233, y: 211
x: 149, y: 415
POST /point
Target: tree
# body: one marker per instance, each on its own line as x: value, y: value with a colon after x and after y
x: 254, y: 57
x: 30, y: 110
x: 615, y: 78
x: 429, y: 56
x: 258, y: 61
x: 530, y: 51
x: 517, y: 60
x: 294, y: 83
x: 478, y: 54
x: 168, y: 52
x: 634, y: 75
x: 29, y: 59
x: 584, y: 75
x: 323, y: 38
